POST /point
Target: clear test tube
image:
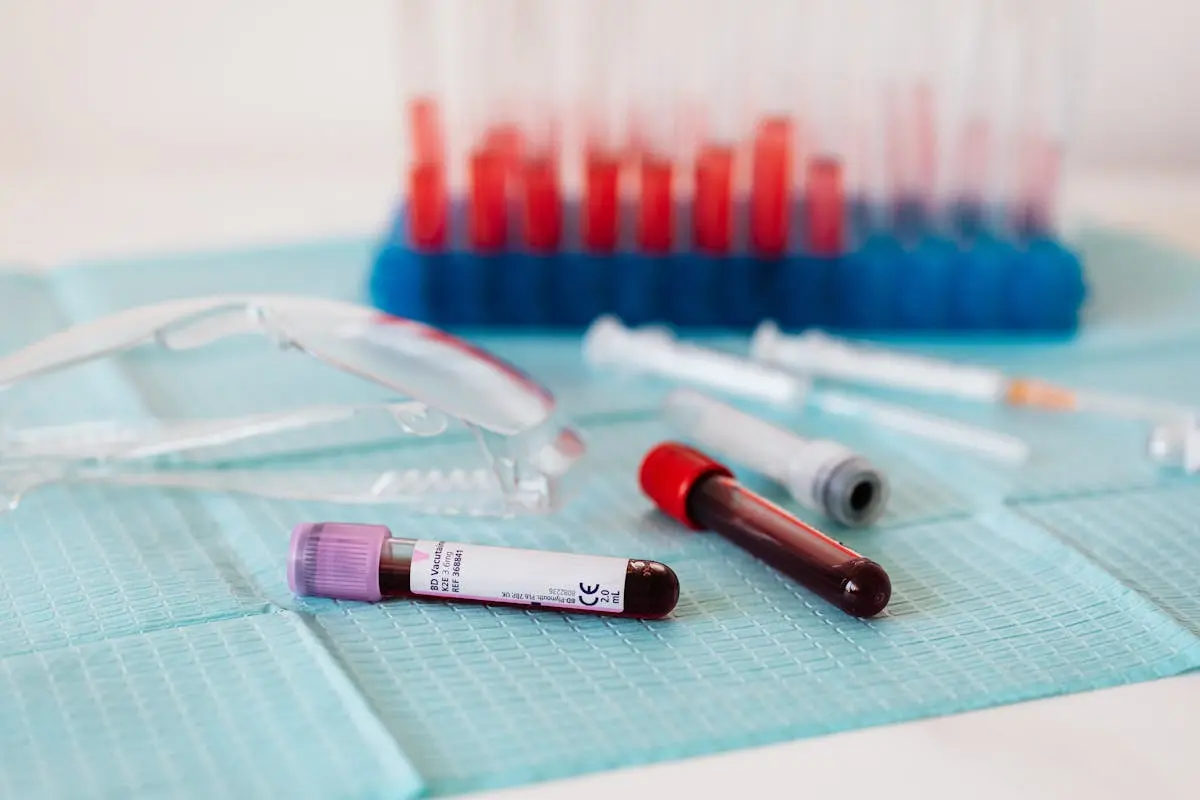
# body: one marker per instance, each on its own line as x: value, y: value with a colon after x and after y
x: 923, y: 43
x: 418, y: 69
x: 974, y: 141
x: 824, y: 190
x: 655, y: 116
x: 1053, y: 58
x: 538, y: 33
x: 1004, y: 73
x: 856, y: 108
x: 567, y: 99
x: 873, y: 198
x: 959, y: 30
x: 506, y: 41
x: 487, y: 32
x: 605, y: 114
x: 775, y: 87
x: 925, y: 105
x: 715, y: 159
x: 455, y: 93
x: 422, y: 57
x: 907, y: 110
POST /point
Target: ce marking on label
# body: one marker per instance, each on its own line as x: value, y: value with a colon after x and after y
x: 586, y: 594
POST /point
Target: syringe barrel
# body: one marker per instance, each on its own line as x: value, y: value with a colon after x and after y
x: 820, y: 355
x: 351, y: 561
x: 981, y: 441
x: 655, y: 351
x: 821, y: 474
x: 702, y: 494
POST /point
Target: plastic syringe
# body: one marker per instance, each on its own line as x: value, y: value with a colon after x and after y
x: 655, y: 351
x: 716, y: 159
x: 821, y: 474
x: 819, y: 355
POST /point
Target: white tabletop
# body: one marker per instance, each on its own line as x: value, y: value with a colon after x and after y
x: 1134, y: 741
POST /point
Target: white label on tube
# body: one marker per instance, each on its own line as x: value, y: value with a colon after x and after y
x: 523, y: 577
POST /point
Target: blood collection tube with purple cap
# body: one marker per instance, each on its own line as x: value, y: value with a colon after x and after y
x: 348, y: 561
x: 702, y: 493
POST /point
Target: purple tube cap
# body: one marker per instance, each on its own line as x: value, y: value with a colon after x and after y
x: 336, y: 559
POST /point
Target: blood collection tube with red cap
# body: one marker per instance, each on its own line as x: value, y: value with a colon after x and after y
x: 349, y: 561
x: 702, y: 493
x: 771, y: 183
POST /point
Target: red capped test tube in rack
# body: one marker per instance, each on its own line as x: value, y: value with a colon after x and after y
x: 426, y: 181
x: 601, y: 200
x: 542, y: 217
x: 529, y: 109
x: 771, y: 186
x: 427, y: 192
x: 488, y: 211
x: 656, y: 213
x: 825, y: 207
x: 712, y: 209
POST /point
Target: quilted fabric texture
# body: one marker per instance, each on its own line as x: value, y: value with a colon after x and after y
x: 149, y: 643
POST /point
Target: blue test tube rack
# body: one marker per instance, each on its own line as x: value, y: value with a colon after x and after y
x: 972, y: 280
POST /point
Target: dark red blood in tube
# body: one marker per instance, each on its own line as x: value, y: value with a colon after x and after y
x: 770, y: 187
x: 655, y: 212
x: 702, y: 494
x: 600, y: 202
x: 488, y: 203
x: 825, y: 207
x: 712, y: 212
x: 427, y: 205
x: 543, y: 204
x: 651, y: 587
x: 425, y: 130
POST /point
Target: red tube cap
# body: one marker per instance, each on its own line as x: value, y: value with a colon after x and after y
x: 668, y: 473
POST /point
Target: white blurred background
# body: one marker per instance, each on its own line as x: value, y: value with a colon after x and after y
x: 127, y: 117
